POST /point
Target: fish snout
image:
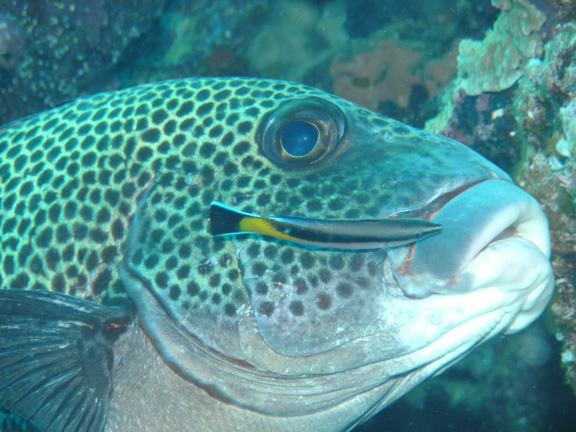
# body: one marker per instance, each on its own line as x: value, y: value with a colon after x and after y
x: 495, y: 236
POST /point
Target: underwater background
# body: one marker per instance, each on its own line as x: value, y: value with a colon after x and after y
x: 499, y: 76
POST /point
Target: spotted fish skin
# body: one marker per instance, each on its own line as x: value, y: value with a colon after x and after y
x: 107, y: 199
x: 72, y: 178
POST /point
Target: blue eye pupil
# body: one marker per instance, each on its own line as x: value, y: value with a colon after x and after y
x: 299, y: 138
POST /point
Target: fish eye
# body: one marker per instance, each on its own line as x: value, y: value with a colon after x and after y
x: 301, y: 132
x: 299, y: 138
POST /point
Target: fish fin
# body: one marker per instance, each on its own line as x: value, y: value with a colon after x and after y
x: 225, y: 219
x: 11, y: 422
x: 56, y: 359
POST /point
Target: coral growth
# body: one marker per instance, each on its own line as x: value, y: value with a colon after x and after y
x: 298, y: 38
x: 385, y: 73
x: 404, y: 57
x: 199, y: 38
x: 560, y: 11
x: 485, y: 123
x: 391, y: 74
x: 495, y: 63
x: 13, y: 42
x: 530, y: 129
x: 68, y: 44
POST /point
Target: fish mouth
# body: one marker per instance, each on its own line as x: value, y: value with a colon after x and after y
x: 493, y: 234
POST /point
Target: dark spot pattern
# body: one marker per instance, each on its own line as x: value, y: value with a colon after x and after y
x: 73, y: 179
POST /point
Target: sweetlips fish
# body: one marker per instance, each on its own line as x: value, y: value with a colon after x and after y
x: 121, y: 311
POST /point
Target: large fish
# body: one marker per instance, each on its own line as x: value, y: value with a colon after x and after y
x: 120, y: 311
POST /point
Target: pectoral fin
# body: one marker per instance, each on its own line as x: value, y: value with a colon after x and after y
x: 56, y: 359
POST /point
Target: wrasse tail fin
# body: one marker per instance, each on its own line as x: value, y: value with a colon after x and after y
x: 56, y: 359
x: 224, y: 219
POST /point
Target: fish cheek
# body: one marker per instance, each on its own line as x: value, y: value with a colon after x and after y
x: 170, y: 252
x: 307, y: 301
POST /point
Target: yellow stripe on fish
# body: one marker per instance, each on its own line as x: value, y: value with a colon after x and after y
x: 332, y: 233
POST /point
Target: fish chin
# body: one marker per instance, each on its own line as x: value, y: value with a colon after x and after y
x: 495, y: 238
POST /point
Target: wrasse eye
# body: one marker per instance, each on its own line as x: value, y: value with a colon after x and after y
x: 302, y: 132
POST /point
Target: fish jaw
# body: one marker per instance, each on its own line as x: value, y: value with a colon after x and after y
x: 166, y: 401
x: 495, y: 238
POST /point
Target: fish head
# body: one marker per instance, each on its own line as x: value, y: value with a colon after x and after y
x: 329, y: 324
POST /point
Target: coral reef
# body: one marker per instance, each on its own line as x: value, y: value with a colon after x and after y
x: 391, y: 76
x: 51, y: 50
x: 409, y: 57
x: 560, y: 11
x: 393, y: 72
x: 530, y: 130
x: 78, y: 47
x: 297, y: 39
x: 13, y: 42
x: 546, y: 117
x: 197, y: 38
x: 386, y: 73
x: 485, y: 123
x: 495, y: 63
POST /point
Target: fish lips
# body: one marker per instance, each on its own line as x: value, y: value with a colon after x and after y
x: 494, y: 236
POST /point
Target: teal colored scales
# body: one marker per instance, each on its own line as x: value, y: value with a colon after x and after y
x: 120, y: 311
